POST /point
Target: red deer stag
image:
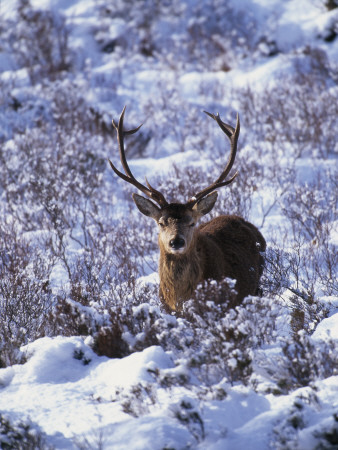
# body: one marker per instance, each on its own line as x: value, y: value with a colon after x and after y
x: 227, y: 246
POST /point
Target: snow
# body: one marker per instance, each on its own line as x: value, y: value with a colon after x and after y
x: 70, y: 399
x: 74, y: 388
x: 155, y: 398
x: 327, y: 327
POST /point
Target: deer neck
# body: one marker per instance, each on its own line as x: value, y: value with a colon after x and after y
x: 179, y: 275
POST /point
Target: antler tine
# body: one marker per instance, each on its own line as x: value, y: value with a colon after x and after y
x: 232, y: 134
x: 128, y: 176
x: 120, y: 139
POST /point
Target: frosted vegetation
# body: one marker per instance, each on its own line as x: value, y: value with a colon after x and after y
x: 88, y: 357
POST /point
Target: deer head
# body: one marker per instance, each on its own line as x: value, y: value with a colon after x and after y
x: 176, y: 221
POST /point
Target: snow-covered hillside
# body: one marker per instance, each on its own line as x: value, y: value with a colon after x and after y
x: 88, y: 356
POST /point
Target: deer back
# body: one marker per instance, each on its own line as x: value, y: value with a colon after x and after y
x: 241, y: 246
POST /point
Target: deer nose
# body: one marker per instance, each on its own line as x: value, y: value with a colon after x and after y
x: 177, y: 243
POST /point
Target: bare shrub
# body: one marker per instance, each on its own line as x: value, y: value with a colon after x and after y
x: 327, y: 436
x: 176, y: 122
x: 21, y: 434
x: 25, y: 293
x: 40, y: 42
x: 216, y: 44
x: 49, y: 188
x: 306, y: 361
x: 287, y: 431
x: 189, y: 415
x: 307, y: 266
x: 72, y: 319
x: 137, y: 400
x: 119, y: 326
x: 49, y: 175
x: 292, y: 275
x: 303, y: 269
x: 72, y: 115
x: 47, y: 192
x: 312, y: 207
x: 307, y: 121
x: 227, y: 336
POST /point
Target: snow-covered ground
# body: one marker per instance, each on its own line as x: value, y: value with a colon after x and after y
x: 266, y: 376
x: 75, y: 403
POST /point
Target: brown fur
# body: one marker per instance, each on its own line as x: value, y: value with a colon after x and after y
x: 227, y: 246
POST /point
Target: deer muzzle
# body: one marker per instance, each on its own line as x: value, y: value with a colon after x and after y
x: 177, y: 244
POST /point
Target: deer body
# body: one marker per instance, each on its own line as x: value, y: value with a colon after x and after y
x: 226, y: 246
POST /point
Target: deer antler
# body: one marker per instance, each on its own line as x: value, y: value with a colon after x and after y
x: 232, y: 134
x: 128, y: 176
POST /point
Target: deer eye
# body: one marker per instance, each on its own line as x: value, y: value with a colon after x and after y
x: 161, y: 224
x: 192, y: 224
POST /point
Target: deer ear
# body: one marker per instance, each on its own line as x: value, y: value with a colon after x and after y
x: 205, y: 205
x: 147, y: 207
